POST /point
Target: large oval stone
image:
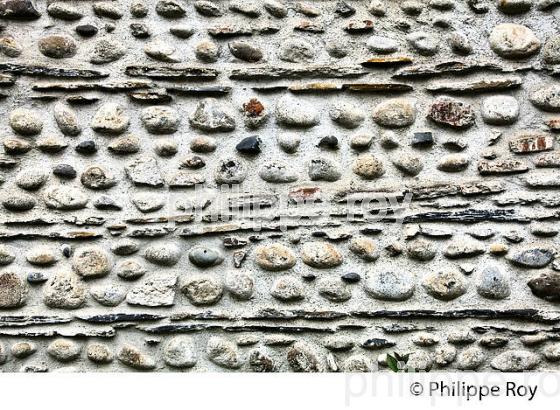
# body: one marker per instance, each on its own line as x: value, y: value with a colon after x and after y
x: 64, y: 350
x: 23, y: 10
x: 395, y: 113
x: 463, y: 248
x: 293, y: 112
x: 390, y: 285
x: 445, y: 285
x: 287, y: 289
x: 303, y: 357
x: 160, y: 120
x: 165, y: 254
x: 64, y: 290
x: 25, y: 121
x: 493, y: 283
x: 334, y: 289
x: 515, y: 361
x: 13, y: 290
x: 205, y: 257
x: 203, y: 290
x: 131, y: 356
x: 546, y: 286
x: 500, y: 110
x: 230, y: 170
x: 179, y: 352
x: 275, y: 257
x: 223, y: 353
x: 58, y: 46
x: 91, y: 262
x: 546, y: 98
x: 320, y: 255
x: 470, y: 359
x: 452, y: 113
x: 66, y: 119
x: 65, y: 198
x: 7, y: 255
x: 110, y: 118
x: 240, y: 285
x: 156, y: 290
x: 534, y: 257
x: 513, y: 41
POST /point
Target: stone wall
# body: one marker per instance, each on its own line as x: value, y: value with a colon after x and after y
x: 279, y: 186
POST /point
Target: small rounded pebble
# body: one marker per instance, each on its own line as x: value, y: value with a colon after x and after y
x: 91, y: 262
x: 179, y: 352
x: 65, y: 171
x: 334, y: 289
x: 22, y: 350
x: 287, y: 289
x: 203, y: 290
x: 204, y: 257
x: 58, y: 46
x: 240, y: 285
x: 321, y: 255
x: 64, y: 350
x: 207, y: 51
x: 25, y: 121
x: 368, y: 167
x: 99, y: 353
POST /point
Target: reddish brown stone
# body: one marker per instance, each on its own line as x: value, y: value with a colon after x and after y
x: 305, y: 194
x: 531, y: 142
x: 553, y: 124
x: 359, y: 26
x: 451, y: 112
x: 309, y: 26
x: 253, y: 107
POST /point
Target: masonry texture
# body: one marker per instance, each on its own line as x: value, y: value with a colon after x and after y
x: 279, y: 185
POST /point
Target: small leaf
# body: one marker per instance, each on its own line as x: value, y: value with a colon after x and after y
x: 392, y: 363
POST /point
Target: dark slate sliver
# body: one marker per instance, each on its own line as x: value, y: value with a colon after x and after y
x: 171, y: 73
x: 422, y: 139
x: 273, y: 72
x: 377, y: 343
x: 45, y: 71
